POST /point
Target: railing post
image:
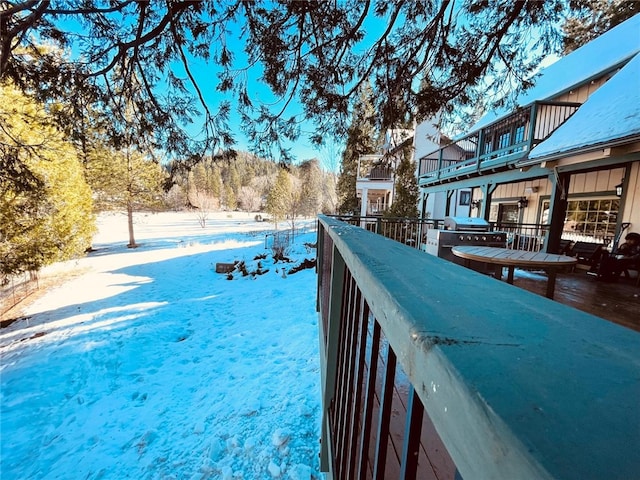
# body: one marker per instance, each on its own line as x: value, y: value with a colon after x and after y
x: 369, y: 400
x: 479, y: 149
x: 533, y: 114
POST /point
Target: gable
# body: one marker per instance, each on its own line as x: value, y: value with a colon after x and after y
x: 610, y: 115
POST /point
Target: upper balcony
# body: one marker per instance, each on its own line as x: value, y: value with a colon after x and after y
x: 498, y: 145
x: 373, y: 168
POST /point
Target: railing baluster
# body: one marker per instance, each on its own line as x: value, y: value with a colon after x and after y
x: 358, y: 418
x: 385, y: 415
x: 413, y: 430
x: 367, y: 420
x: 347, y: 429
x: 343, y: 371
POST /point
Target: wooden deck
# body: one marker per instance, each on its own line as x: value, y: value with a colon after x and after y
x: 618, y: 302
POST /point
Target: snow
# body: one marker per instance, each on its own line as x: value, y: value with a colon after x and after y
x: 148, y: 364
x: 602, y: 54
x: 612, y: 112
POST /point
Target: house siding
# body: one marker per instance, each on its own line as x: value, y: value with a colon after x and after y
x: 596, y: 183
x: 583, y: 92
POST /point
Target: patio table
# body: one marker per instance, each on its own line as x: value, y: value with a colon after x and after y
x: 505, y: 257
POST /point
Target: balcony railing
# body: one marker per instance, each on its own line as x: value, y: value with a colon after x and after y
x: 431, y: 370
x: 498, y: 144
x: 375, y: 172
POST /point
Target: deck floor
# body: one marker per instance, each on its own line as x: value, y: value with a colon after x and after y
x: 618, y: 302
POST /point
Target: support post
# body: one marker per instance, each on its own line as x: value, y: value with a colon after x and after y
x: 557, y: 210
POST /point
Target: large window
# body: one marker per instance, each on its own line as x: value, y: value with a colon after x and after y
x: 593, y: 217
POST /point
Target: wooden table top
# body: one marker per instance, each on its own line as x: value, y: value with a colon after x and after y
x: 506, y: 256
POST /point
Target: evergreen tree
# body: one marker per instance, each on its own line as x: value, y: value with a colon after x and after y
x: 216, y: 183
x: 319, y: 52
x: 405, y: 199
x: 125, y: 180
x: 360, y: 141
x: 45, y: 209
x: 592, y: 18
x: 234, y: 184
x: 279, y: 197
x: 230, y: 199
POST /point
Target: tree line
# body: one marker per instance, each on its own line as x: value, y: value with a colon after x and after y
x: 251, y: 184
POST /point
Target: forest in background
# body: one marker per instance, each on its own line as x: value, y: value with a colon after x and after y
x: 55, y: 180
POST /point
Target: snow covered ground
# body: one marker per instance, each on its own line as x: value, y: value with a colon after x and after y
x: 149, y: 365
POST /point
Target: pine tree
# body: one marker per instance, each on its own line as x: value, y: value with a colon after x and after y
x: 279, y: 197
x: 125, y: 180
x: 360, y: 141
x: 46, y: 207
x: 405, y: 198
x: 592, y: 18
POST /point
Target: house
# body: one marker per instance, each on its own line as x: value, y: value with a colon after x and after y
x: 566, y: 158
x: 376, y: 174
x: 428, y: 141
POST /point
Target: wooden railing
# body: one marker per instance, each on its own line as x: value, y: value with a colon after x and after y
x: 433, y: 371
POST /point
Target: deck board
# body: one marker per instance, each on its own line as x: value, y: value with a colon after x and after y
x: 618, y: 302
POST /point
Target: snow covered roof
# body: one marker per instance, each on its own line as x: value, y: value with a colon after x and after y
x: 602, y: 54
x: 612, y: 113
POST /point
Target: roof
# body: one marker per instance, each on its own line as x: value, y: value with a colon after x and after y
x: 603, y: 54
x: 611, y: 114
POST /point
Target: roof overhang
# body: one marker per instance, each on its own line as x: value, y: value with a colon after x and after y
x: 608, y: 149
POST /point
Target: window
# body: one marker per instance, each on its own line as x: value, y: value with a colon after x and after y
x: 465, y: 197
x: 589, y: 217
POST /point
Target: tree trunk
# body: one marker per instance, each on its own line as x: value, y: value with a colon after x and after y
x: 132, y: 240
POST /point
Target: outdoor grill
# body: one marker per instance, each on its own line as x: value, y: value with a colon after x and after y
x: 463, y: 231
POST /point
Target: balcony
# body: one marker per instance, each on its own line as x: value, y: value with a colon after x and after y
x: 374, y: 168
x: 430, y: 370
x: 497, y: 146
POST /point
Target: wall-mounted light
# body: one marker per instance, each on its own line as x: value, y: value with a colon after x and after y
x: 619, y: 189
x: 522, y: 203
x: 476, y: 204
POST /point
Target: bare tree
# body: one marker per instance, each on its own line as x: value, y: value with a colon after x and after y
x: 250, y: 199
x: 204, y: 204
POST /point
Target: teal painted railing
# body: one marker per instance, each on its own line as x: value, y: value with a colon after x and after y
x: 433, y: 371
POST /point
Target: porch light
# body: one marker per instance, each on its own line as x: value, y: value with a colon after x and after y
x: 476, y: 203
x: 522, y: 203
x: 619, y: 189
